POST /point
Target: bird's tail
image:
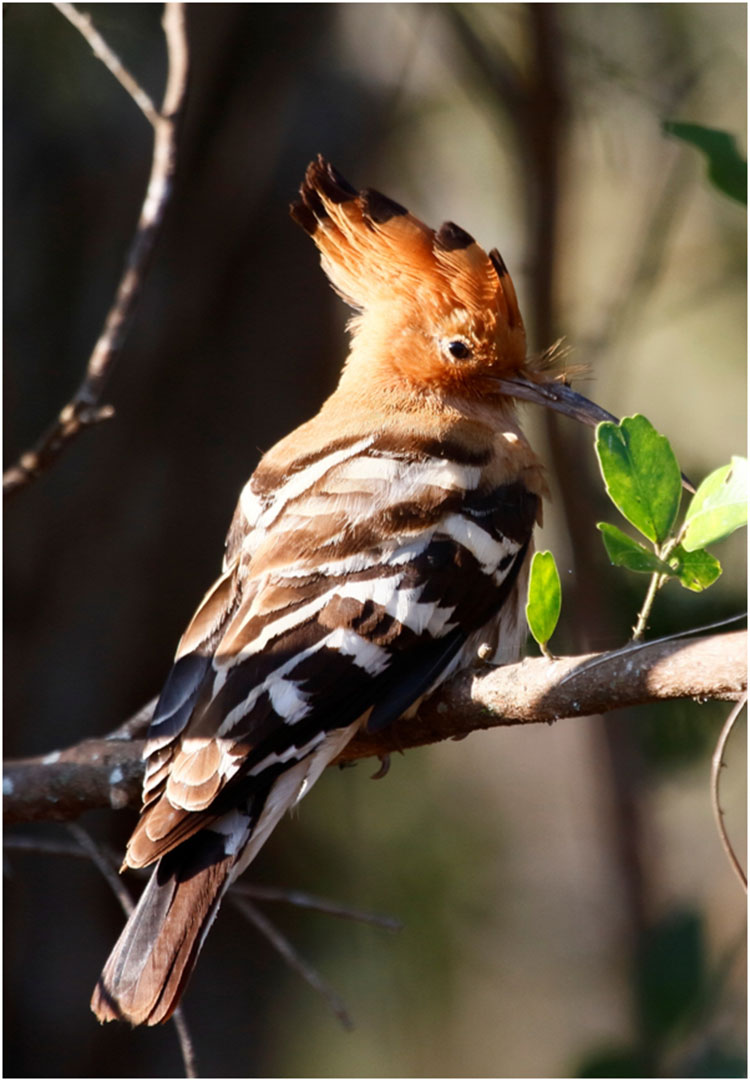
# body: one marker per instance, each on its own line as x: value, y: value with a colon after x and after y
x: 152, y: 960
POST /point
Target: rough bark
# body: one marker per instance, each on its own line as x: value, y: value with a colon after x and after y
x: 107, y: 772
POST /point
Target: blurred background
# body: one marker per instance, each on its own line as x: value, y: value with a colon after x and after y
x: 567, y: 908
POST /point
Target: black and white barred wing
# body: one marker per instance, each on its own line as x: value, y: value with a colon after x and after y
x: 367, y: 574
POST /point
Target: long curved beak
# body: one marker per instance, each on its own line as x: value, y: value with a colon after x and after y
x: 561, y: 398
x: 557, y: 396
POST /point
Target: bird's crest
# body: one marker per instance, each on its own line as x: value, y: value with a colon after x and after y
x: 373, y: 249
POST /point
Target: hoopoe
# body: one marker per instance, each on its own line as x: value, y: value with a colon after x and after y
x: 373, y: 551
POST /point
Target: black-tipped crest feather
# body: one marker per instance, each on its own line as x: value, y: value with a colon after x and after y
x: 452, y: 237
x: 379, y: 208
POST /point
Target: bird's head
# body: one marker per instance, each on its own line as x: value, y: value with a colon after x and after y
x: 436, y: 316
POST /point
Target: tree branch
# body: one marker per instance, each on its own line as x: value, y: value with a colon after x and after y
x: 102, y: 51
x: 84, y: 408
x: 108, y: 772
x: 295, y: 961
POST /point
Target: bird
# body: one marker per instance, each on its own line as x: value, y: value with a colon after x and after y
x: 376, y: 550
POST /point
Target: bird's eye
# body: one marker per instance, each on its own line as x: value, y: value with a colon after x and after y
x: 458, y: 349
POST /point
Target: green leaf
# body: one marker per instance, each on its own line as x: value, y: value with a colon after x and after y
x: 727, y: 169
x: 696, y: 570
x: 718, y: 507
x: 641, y: 474
x: 623, y: 551
x: 544, y: 597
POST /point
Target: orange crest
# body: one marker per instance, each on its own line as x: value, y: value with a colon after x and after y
x: 374, y: 252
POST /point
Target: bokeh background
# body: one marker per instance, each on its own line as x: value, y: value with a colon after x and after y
x: 567, y: 907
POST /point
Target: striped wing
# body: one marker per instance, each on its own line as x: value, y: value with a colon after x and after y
x: 354, y: 580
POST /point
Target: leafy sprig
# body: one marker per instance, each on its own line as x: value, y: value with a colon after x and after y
x: 643, y: 480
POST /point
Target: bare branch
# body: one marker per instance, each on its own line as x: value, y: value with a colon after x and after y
x: 717, y: 762
x: 110, y: 59
x: 542, y: 691
x: 101, y: 860
x: 292, y: 958
x: 84, y: 409
x: 300, y: 899
x: 108, y: 772
x: 297, y: 898
x: 62, y: 785
x: 45, y: 846
x: 186, y: 1043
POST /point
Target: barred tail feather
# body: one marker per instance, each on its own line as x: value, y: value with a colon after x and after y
x: 152, y: 960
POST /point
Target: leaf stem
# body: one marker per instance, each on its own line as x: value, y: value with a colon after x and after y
x: 657, y: 581
x: 653, y: 588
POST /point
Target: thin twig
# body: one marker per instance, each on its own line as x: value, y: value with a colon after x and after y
x: 104, y: 865
x: 319, y: 904
x: 84, y: 408
x: 293, y: 959
x: 717, y: 762
x: 187, y: 1050
x: 98, y: 856
x: 298, y: 898
x: 110, y: 59
x: 43, y: 846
